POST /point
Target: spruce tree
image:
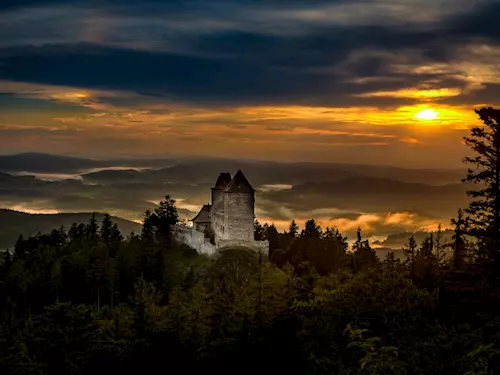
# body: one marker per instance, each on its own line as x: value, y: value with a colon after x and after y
x: 258, y: 230
x: 485, y: 207
x: 293, y: 230
x: 459, y: 244
x: 410, y: 252
x: 106, y: 229
x: 92, y: 231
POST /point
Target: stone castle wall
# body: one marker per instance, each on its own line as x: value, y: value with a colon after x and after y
x: 261, y: 246
x: 231, y: 218
x: 194, y: 239
x: 239, y: 216
x: 217, y: 216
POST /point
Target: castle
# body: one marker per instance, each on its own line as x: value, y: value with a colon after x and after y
x: 228, y: 221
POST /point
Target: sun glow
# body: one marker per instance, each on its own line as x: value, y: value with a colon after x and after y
x: 426, y: 114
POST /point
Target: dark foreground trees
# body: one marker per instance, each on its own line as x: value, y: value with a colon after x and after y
x: 485, y: 208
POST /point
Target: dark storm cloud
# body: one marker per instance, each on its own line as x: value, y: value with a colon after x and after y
x: 138, y: 5
x: 170, y: 75
x: 231, y: 59
x: 482, y: 21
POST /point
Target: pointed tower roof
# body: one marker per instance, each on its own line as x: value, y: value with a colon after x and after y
x: 203, y: 216
x: 223, y: 181
x: 239, y: 184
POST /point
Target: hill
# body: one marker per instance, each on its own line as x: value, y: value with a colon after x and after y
x: 203, y: 170
x: 15, y: 223
x: 38, y: 162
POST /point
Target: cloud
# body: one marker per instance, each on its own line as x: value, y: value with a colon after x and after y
x: 227, y: 77
x: 413, y: 93
x: 241, y: 64
x: 372, y: 225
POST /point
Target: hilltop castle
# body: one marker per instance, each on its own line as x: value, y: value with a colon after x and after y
x: 228, y: 221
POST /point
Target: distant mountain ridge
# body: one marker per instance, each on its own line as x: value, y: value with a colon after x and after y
x: 14, y: 223
x: 381, y: 185
x: 327, y: 191
x: 182, y: 169
x: 38, y: 162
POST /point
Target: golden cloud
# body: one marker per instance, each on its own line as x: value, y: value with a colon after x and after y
x: 413, y: 93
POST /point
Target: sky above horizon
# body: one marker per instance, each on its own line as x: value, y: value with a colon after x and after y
x: 373, y: 82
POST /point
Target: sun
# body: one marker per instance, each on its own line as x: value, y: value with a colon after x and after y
x: 426, y: 114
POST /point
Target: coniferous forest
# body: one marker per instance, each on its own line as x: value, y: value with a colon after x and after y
x: 87, y: 300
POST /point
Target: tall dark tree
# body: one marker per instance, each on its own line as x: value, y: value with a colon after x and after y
x: 164, y: 218
x: 311, y: 229
x: 364, y: 256
x: 115, y: 239
x: 459, y: 243
x: 293, y: 230
x: 20, y: 247
x: 440, y: 246
x: 77, y: 232
x: 427, y: 247
x: 106, y: 229
x: 410, y: 251
x: 167, y: 212
x: 258, y: 230
x: 485, y: 207
x: 92, y: 231
x: 147, y: 232
x: 272, y: 235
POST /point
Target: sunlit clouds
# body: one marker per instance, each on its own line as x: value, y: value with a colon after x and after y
x: 111, y: 123
x: 414, y: 93
x: 344, y: 81
x: 427, y: 114
x: 372, y: 224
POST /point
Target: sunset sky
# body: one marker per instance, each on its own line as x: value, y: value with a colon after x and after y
x: 374, y: 81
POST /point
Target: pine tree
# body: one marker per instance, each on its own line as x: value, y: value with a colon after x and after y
x: 363, y: 256
x: 258, y: 230
x: 147, y: 232
x: 439, y: 246
x: 164, y: 218
x: 166, y: 211
x: 293, y: 230
x: 410, y: 252
x: 311, y: 229
x: 76, y: 232
x: 272, y: 236
x: 20, y: 247
x: 459, y: 245
x: 148, y: 246
x: 485, y: 207
x: 106, y: 229
x: 92, y: 231
x: 115, y: 239
x: 427, y: 247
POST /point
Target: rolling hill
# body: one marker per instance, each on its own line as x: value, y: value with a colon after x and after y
x: 15, y: 223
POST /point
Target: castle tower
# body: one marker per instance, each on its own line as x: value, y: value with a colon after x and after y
x: 222, y: 182
x: 239, y: 200
x: 217, y: 208
x: 230, y: 218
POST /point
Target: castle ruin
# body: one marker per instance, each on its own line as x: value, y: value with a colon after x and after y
x: 228, y: 221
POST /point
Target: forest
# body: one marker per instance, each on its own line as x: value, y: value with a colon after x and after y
x: 86, y: 300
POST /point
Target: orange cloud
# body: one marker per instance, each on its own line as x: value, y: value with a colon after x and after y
x: 409, y: 140
x: 413, y: 93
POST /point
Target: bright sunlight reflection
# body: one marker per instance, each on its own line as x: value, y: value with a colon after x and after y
x: 426, y: 114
